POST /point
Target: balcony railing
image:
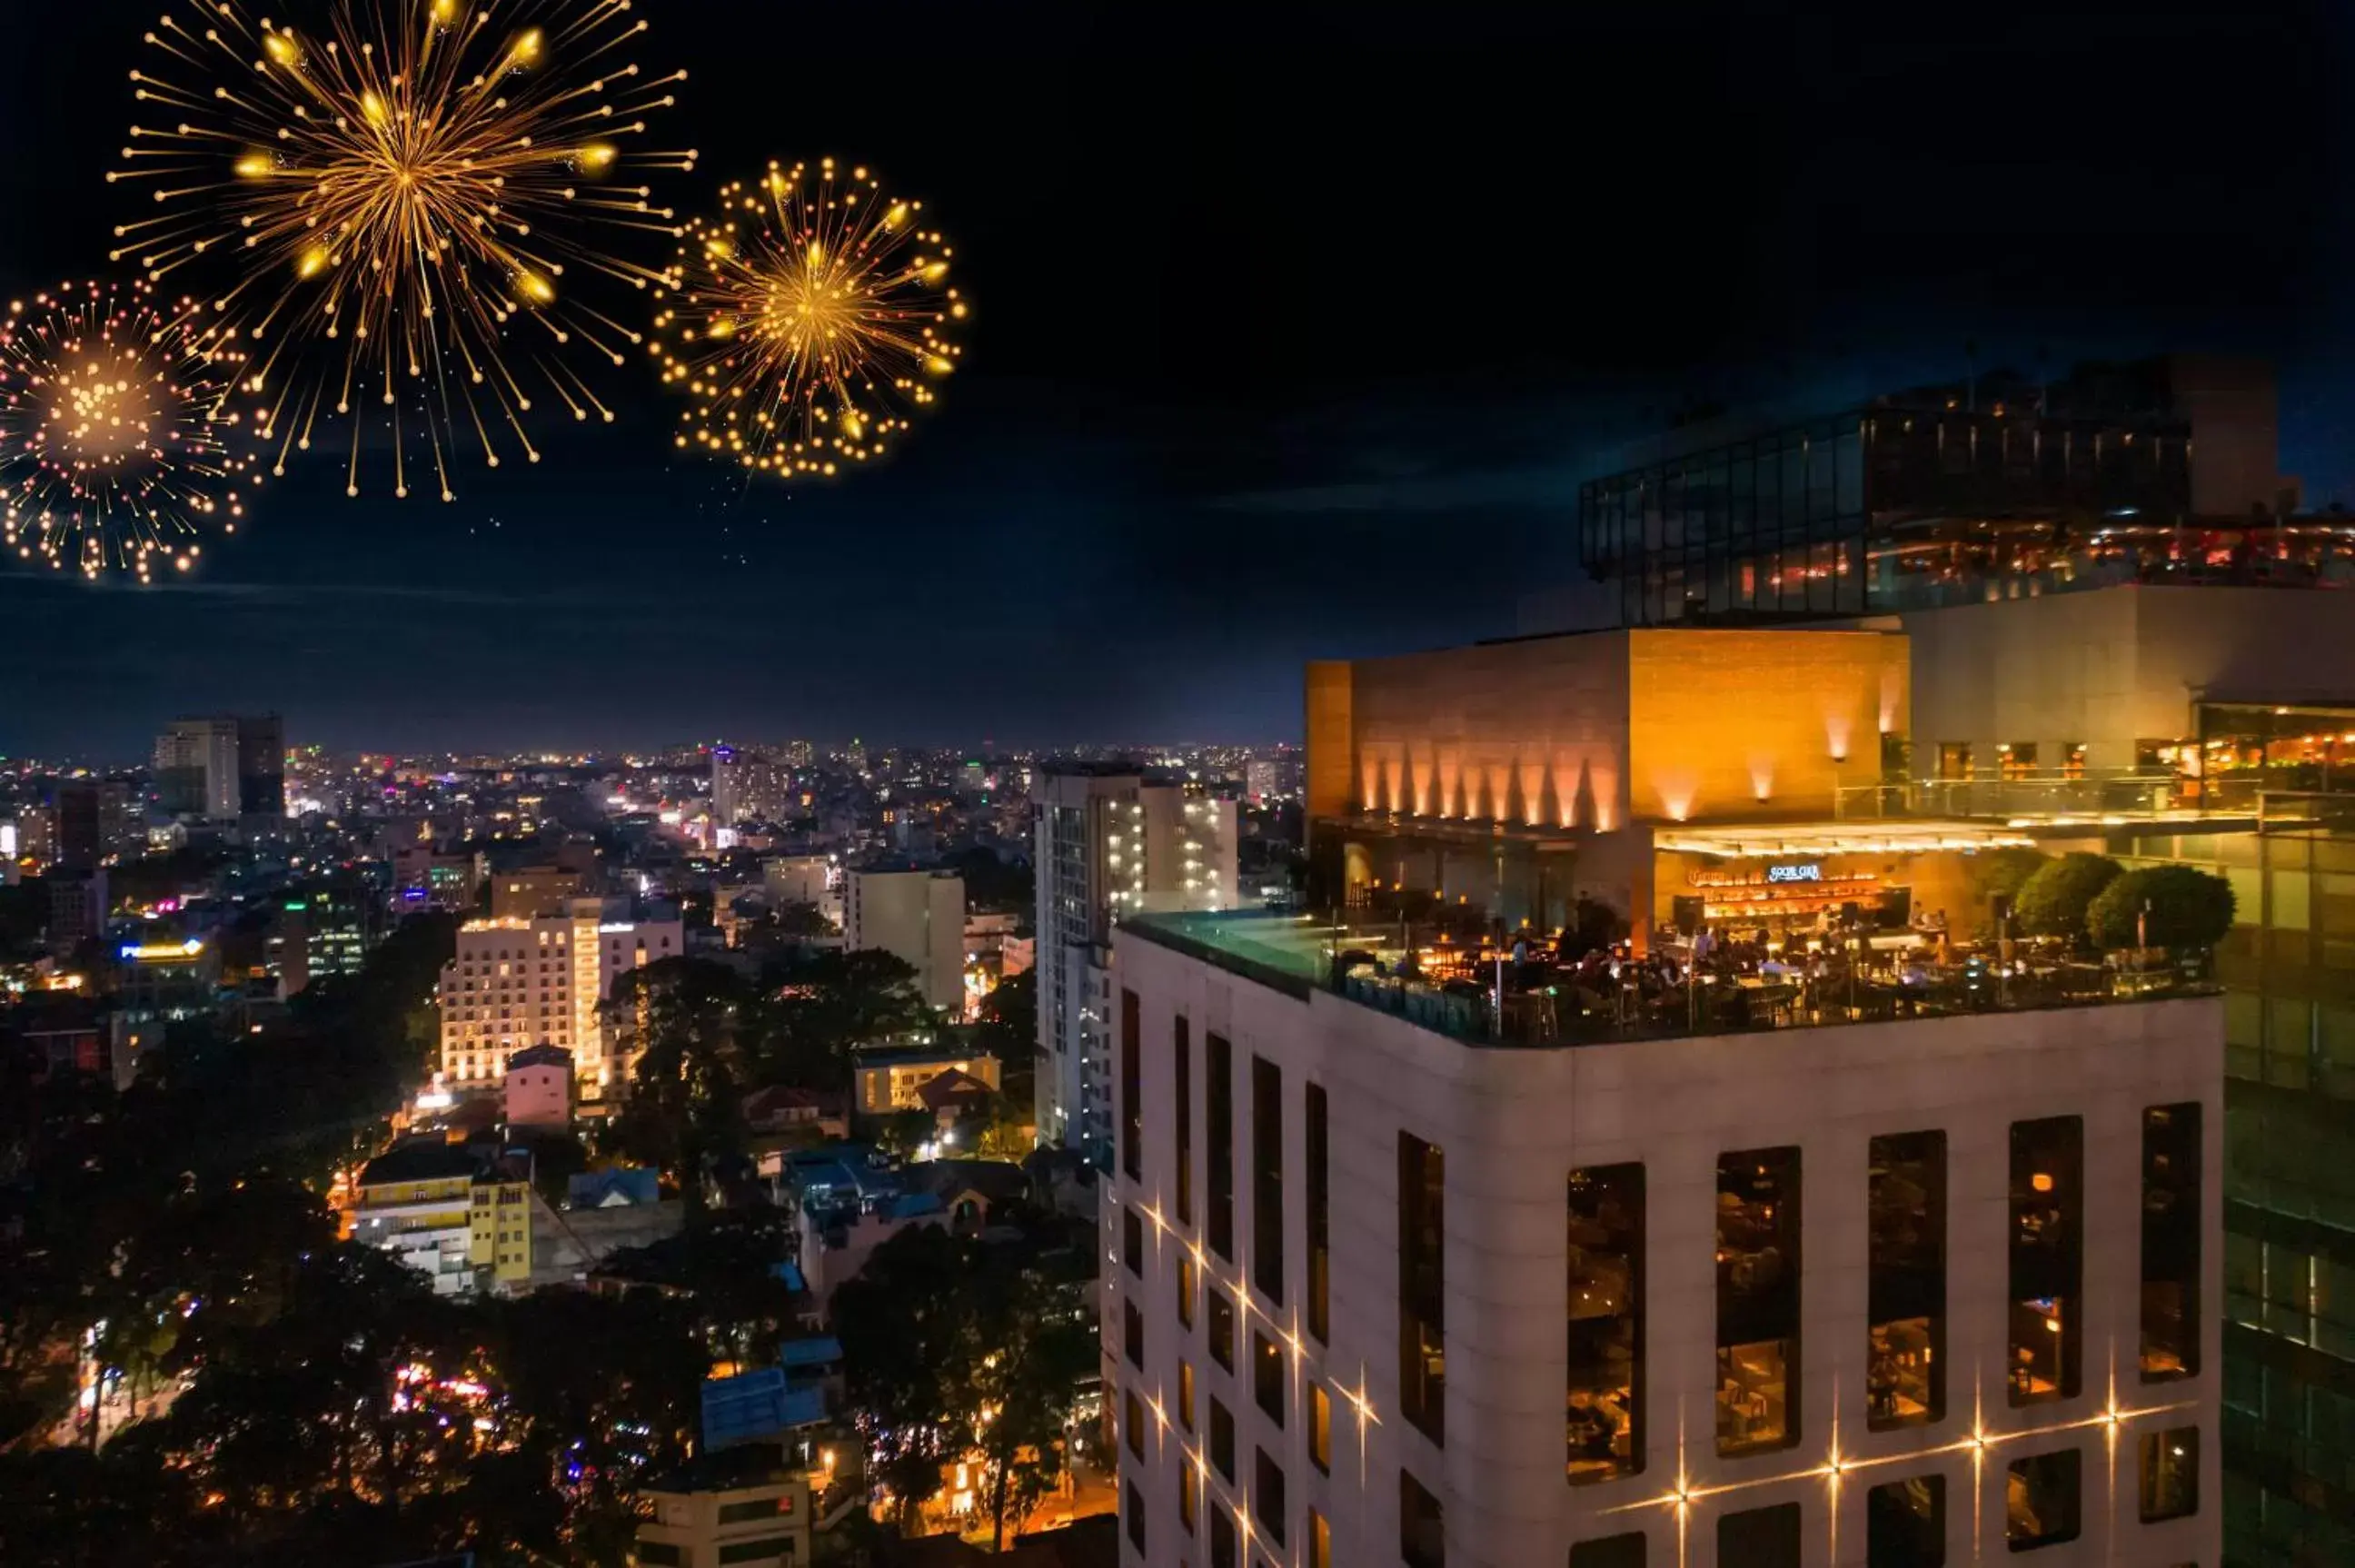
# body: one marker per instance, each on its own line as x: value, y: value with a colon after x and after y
x: 1459, y: 983
x: 2105, y: 799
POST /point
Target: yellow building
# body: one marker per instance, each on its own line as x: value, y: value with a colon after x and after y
x: 415, y: 1201
x: 888, y: 1081
x: 499, y: 1222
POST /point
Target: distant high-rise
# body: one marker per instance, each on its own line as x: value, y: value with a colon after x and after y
x: 1109, y: 845
x: 196, y: 769
x: 747, y: 788
x: 223, y: 767
x: 261, y: 766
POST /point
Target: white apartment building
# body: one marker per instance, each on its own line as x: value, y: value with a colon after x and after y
x: 1108, y: 845
x: 918, y: 916
x: 1925, y: 1290
x: 518, y: 983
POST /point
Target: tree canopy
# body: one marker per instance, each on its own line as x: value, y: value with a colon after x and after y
x: 2053, y: 899
x: 2174, y: 906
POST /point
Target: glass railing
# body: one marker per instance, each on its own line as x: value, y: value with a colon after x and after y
x: 2058, y: 799
x: 1458, y: 981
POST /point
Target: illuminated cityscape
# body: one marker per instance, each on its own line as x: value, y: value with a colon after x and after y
x: 1472, y: 787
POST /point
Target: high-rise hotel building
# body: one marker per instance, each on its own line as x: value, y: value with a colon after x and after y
x: 1109, y: 844
x: 524, y: 982
x: 1429, y: 1269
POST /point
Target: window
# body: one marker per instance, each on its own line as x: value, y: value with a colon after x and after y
x: 1423, y: 1358
x: 1906, y: 1353
x: 1267, y: 1178
x: 1267, y: 1376
x: 1610, y: 1552
x: 1135, y: 1510
x: 1131, y: 1324
x: 1222, y: 1329
x: 1182, y: 1057
x: 2047, y: 1258
x: 1132, y: 1417
x: 659, y: 1554
x: 1267, y: 1496
x: 1605, y: 1214
x: 1132, y: 1088
x: 1757, y: 1300
x: 2170, y: 1241
x: 1423, y: 1533
x: 2016, y: 758
x: 1759, y: 1536
x: 774, y: 1549
x: 1319, y: 1196
x: 1221, y: 1089
x: 2170, y: 1474
x: 1185, y: 1503
x: 1185, y: 1395
x: 1320, y: 1428
x: 1222, y: 1539
x: 1222, y: 1439
x: 2072, y: 759
x: 1185, y: 1277
x: 2041, y: 1500
x: 1320, y: 1541
x: 1954, y: 760
x: 1906, y: 1524
x: 1132, y: 1239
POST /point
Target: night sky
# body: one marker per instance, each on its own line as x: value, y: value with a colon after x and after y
x: 1296, y: 327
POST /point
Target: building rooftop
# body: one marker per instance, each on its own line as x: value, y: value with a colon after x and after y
x: 1451, y: 984
x: 420, y: 1159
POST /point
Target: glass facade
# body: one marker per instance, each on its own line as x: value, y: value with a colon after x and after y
x: 2289, y: 1333
x: 1887, y: 508
x: 1132, y: 1088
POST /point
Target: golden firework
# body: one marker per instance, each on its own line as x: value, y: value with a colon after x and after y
x: 809, y: 321
x: 403, y: 207
x: 120, y: 443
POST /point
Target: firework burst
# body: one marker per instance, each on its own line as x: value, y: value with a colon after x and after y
x: 120, y: 442
x: 809, y: 321
x: 402, y: 209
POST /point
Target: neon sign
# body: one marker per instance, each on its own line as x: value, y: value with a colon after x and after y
x: 1799, y: 872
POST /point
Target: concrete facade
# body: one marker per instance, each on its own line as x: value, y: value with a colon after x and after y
x: 1598, y: 729
x: 918, y: 917
x: 1512, y: 1125
x: 2113, y: 666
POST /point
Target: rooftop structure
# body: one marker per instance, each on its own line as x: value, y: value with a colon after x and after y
x: 2164, y: 471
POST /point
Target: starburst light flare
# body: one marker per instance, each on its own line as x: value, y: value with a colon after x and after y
x: 400, y: 210
x: 810, y: 321
x: 121, y: 439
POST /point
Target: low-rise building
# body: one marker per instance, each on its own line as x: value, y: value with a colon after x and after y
x: 883, y: 1082
x: 537, y: 1087
x: 737, y: 1508
x: 415, y: 1201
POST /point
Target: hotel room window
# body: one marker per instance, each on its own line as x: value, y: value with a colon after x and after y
x: 1606, y: 1249
x: 1757, y: 1300
x: 1906, y: 1289
x: 2048, y: 1259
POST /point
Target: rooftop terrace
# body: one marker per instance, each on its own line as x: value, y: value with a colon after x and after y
x: 1456, y: 984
